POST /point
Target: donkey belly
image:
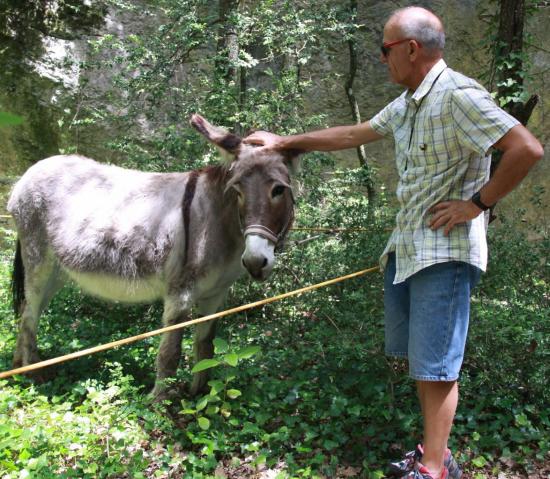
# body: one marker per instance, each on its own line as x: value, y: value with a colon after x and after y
x: 138, y: 290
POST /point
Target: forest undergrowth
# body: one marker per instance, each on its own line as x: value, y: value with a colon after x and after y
x: 300, y: 388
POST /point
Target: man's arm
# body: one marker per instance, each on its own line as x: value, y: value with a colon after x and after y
x: 330, y: 139
x: 521, y: 150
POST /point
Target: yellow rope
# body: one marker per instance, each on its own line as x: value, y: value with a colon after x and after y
x: 132, y: 339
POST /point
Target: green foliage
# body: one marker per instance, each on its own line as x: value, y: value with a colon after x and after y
x: 215, y: 408
x: 510, y: 66
x: 9, y: 119
x: 94, y: 431
x: 186, y: 63
x: 320, y: 400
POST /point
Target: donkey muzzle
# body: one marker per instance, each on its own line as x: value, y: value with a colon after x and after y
x: 259, y: 255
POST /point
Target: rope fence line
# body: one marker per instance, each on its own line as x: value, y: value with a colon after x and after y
x: 156, y: 332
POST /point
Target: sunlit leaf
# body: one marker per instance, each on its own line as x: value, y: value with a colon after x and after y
x: 220, y: 345
x: 233, y: 393
x: 231, y: 358
x: 248, y: 352
x: 205, y: 364
x: 204, y: 423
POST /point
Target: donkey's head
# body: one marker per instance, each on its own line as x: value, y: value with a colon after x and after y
x: 260, y: 178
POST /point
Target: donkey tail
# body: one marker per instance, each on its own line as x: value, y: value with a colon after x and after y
x: 18, y: 281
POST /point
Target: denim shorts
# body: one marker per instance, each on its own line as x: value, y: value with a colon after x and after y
x: 426, y: 318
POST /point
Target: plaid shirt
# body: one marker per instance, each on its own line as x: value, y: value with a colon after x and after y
x: 443, y: 132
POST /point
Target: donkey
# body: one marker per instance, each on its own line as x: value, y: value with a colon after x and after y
x: 131, y: 236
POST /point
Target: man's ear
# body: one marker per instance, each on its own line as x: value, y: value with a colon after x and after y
x: 227, y: 143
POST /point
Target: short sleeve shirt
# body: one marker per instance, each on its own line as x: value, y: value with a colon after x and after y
x: 443, y: 132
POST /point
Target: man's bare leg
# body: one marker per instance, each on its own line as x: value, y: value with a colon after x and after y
x: 438, y: 400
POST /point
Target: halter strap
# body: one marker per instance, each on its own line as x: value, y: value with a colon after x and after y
x: 261, y: 230
x: 266, y: 232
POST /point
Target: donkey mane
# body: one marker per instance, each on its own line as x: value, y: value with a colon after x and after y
x: 216, y: 174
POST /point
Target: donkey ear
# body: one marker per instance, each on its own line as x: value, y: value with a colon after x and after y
x: 292, y: 160
x: 228, y: 143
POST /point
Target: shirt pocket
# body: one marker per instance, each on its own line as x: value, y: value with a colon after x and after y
x: 433, y: 141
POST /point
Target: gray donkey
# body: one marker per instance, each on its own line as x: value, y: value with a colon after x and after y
x: 132, y: 236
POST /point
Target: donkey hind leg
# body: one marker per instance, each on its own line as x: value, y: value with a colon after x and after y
x: 41, y: 283
x: 169, y: 354
x: 203, y: 347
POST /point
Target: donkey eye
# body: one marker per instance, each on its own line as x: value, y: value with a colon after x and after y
x: 277, y: 190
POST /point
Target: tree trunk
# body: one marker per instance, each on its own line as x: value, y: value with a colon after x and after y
x: 356, y: 115
x: 228, y: 41
x: 228, y: 56
x: 509, y: 47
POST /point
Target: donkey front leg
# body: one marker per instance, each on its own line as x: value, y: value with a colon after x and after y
x: 203, y: 347
x: 169, y: 354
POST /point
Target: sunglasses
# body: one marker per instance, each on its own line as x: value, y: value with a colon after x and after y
x: 386, y: 47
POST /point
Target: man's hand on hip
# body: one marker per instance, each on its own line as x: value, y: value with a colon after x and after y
x: 451, y: 213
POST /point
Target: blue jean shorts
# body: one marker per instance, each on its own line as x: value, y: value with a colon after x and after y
x: 426, y: 318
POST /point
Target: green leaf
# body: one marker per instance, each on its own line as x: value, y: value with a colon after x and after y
x: 24, y: 455
x: 205, y: 364
x: 231, y: 358
x: 188, y: 411
x: 329, y: 444
x: 261, y: 459
x: 211, y: 410
x: 479, y: 461
x: 522, y: 420
x: 248, y: 352
x: 204, y: 423
x: 220, y: 345
x: 216, y: 386
x: 9, y: 119
x: 233, y: 393
x: 202, y: 403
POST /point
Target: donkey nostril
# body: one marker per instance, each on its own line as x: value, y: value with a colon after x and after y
x: 264, y: 263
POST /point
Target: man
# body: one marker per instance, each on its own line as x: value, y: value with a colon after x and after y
x: 443, y: 125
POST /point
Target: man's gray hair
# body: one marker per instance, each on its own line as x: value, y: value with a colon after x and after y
x: 426, y: 29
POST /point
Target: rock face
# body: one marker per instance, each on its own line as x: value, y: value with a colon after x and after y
x: 42, y: 79
x: 37, y: 45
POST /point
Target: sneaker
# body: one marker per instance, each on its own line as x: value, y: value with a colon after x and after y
x: 406, y: 465
x: 420, y: 472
